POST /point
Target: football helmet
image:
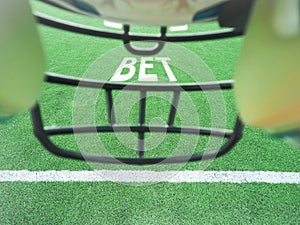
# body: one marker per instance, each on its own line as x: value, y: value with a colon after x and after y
x: 274, y: 20
x: 231, y: 14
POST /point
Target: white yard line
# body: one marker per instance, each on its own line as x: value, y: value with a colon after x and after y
x: 132, y: 176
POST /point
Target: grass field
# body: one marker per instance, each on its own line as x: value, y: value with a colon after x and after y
x: 158, y: 203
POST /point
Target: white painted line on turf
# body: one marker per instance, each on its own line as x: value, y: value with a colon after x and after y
x: 132, y: 176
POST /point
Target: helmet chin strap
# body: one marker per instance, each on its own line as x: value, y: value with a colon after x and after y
x: 286, y: 18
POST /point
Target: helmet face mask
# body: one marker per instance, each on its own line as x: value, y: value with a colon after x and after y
x: 109, y: 87
x: 44, y: 134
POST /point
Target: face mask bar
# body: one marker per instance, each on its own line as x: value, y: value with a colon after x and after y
x: 43, y: 134
x: 127, y: 37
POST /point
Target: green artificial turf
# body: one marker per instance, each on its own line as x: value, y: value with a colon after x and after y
x: 72, y: 54
x: 108, y: 203
x: 185, y: 203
